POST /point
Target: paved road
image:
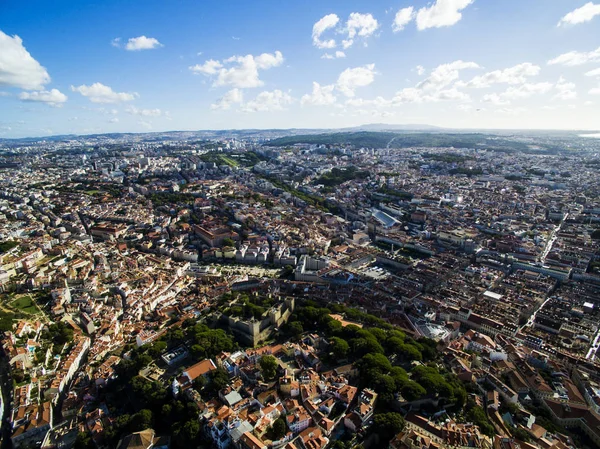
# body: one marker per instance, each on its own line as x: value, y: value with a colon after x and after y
x: 591, y: 355
x: 552, y: 239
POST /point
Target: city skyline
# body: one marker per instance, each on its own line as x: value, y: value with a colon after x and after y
x: 159, y: 66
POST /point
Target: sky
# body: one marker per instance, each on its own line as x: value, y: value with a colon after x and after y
x: 156, y: 65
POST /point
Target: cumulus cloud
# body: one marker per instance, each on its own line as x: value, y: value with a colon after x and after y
x: 566, y: 90
x: 210, y: 67
x: 234, y: 96
x: 595, y: 72
x: 338, y: 54
x: 359, y: 25
x: 320, y: 96
x: 436, y: 87
x: 403, y: 17
x: 445, y: 74
x: 99, y: 93
x: 145, y: 112
x: 441, y: 14
x: 142, y: 43
x: 581, y: 15
x: 594, y: 91
x: 323, y: 24
x: 377, y: 102
x: 495, y: 99
x: 574, y: 58
x: 511, y: 111
x: 420, y: 70
x: 239, y: 71
x: 350, y: 79
x: 525, y: 90
x: 114, y: 120
x: 17, y: 66
x: 268, y: 101
x: 513, y: 75
x: 52, y: 97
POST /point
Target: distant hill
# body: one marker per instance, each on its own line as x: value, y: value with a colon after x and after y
x: 379, y: 127
x: 369, y: 139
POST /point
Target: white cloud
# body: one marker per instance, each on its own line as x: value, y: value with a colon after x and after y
x: 142, y: 43
x: 350, y: 79
x: 338, y: 54
x: 595, y: 72
x: 581, y: 15
x: 99, y: 93
x: 420, y: 70
x: 320, y: 96
x: 495, y: 99
x: 210, y: 67
x: 268, y: 101
x: 323, y: 24
x: 403, y: 17
x: 377, y: 102
x: 234, y: 96
x: 52, y: 97
x: 416, y: 95
x: 359, y: 25
x: 116, y: 42
x: 566, y: 90
x: 145, y: 112
x: 449, y: 95
x: 511, y: 111
x: 239, y: 71
x: 441, y: 14
x: 17, y: 66
x: 526, y: 90
x: 512, y: 75
x: 594, y: 91
x: 145, y: 124
x: 408, y: 95
x: 436, y: 86
x: 445, y: 74
x: 114, y: 120
x: 574, y: 58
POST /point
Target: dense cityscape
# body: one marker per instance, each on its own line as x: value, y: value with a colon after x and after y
x: 356, y: 289
x: 329, y: 224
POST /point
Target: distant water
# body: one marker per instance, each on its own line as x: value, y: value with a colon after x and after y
x: 594, y: 136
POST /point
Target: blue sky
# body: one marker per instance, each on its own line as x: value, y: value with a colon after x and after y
x: 131, y: 66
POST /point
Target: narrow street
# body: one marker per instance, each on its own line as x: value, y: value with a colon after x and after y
x: 552, y: 239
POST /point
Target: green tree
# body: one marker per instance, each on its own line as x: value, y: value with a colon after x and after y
x: 387, y: 426
x: 339, y: 347
x: 295, y: 328
x: 142, y: 420
x: 60, y: 333
x: 268, y: 366
x: 219, y: 379
x: 278, y: 429
x: 412, y: 391
x: 477, y: 416
x: 227, y: 241
x: 84, y: 441
x: 409, y: 352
